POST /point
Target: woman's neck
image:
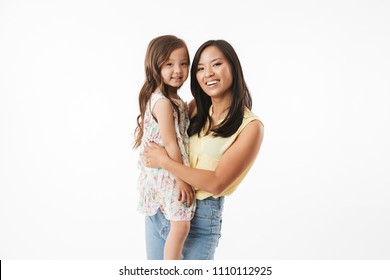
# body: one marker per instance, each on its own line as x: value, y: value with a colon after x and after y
x: 221, y: 105
x: 220, y: 109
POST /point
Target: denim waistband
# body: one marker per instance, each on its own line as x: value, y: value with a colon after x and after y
x: 211, y: 200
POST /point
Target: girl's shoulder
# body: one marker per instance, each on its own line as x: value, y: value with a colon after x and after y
x: 156, y: 96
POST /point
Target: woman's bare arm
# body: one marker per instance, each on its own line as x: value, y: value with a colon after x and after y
x: 233, y: 162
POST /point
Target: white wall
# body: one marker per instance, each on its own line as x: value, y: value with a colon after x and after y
x: 318, y: 71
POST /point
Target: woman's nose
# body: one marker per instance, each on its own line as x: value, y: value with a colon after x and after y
x: 209, y: 72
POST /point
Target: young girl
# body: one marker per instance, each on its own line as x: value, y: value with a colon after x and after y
x: 164, y: 120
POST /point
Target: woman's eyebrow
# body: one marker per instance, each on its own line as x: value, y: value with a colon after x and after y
x: 213, y: 60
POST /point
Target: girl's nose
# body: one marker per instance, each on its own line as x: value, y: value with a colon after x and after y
x: 178, y: 69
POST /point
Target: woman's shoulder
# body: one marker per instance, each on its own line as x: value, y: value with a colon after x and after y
x: 250, y: 116
x: 251, y: 125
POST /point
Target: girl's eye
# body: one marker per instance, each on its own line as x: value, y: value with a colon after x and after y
x: 184, y: 64
x: 200, y: 69
x: 169, y: 64
x: 217, y: 64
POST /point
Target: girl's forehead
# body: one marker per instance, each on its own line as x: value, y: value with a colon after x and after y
x: 179, y: 52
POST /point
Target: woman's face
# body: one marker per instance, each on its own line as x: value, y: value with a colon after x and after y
x: 214, y: 73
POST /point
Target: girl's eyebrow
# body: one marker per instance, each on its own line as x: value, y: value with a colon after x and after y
x: 181, y: 59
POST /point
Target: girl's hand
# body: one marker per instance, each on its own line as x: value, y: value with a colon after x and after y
x: 154, y: 155
x: 186, y: 193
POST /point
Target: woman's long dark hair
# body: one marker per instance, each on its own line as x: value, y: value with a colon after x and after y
x: 241, y: 96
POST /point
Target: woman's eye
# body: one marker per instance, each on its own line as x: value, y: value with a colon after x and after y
x: 217, y: 64
x: 184, y: 64
x: 200, y: 69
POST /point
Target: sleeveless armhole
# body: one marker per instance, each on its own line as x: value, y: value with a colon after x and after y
x: 248, y: 119
x: 155, y: 97
x: 153, y: 100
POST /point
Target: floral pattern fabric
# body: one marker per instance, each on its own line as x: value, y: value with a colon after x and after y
x: 156, y: 186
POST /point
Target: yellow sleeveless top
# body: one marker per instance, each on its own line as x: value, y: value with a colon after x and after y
x: 207, y: 150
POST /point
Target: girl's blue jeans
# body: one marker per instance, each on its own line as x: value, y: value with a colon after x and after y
x: 202, y: 239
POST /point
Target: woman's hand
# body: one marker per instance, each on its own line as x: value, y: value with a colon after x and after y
x: 154, y: 155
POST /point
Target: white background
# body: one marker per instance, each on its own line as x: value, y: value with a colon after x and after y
x: 318, y: 71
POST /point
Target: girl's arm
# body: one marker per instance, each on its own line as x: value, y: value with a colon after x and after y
x: 163, y: 113
x: 231, y: 165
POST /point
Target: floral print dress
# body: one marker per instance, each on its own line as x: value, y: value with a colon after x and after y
x: 156, y: 186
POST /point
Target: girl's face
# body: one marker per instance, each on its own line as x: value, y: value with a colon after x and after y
x: 214, y: 73
x: 175, y: 70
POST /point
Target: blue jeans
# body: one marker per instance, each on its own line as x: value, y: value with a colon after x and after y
x: 202, y: 239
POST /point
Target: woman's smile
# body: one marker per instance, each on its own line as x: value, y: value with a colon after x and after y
x: 213, y: 73
x: 212, y: 83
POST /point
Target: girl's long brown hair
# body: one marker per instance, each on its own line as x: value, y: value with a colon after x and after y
x: 158, y: 52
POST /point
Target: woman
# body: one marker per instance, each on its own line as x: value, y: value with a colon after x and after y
x: 225, y: 139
